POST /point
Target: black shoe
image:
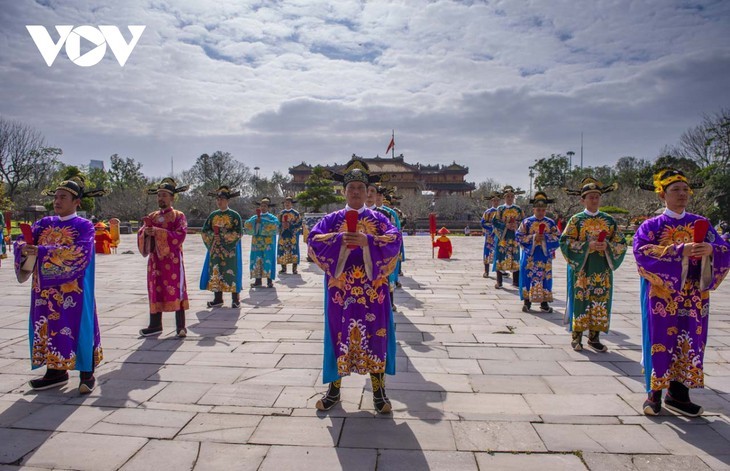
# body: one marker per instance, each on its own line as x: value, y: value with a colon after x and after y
x: 485, y: 274
x: 398, y: 284
x: 87, y: 385
x: 653, y: 403
x: 598, y: 346
x: 686, y: 408
x: 595, y: 343
x: 498, y: 286
x: 235, y: 304
x: 150, y: 331
x: 527, y: 306
x: 215, y: 303
x: 41, y: 384
x: 545, y: 307
x: 294, y: 271
x: 328, y: 402
x: 382, y: 404
x: 269, y: 283
x: 282, y: 271
x: 256, y: 283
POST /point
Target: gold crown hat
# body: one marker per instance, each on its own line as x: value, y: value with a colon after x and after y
x: 224, y: 191
x: 665, y: 177
x: 356, y: 170
x: 167, y: 185
x: 541, y: 200
x: 290, y: 199
x: 264, y: 200
x: 76, y: 185
x: 510, y: 189
x: 591, y: 185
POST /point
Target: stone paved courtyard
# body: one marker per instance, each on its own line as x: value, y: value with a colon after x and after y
x: 480, y: 384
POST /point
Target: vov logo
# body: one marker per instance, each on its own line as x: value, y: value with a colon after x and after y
x: 71, y: 37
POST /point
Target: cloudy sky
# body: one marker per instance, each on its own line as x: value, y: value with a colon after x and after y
x: 489, y: 84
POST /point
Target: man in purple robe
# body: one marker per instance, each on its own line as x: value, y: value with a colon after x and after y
x: 677, y: 275
x: 359, y: 333
x: 64, y: 330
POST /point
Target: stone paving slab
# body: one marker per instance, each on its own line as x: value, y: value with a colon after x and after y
x: 480, y: 384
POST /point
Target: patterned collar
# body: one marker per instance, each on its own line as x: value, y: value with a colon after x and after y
x: 674, y: 215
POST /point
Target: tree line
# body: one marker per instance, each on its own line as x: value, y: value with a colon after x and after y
x: 28, y: 165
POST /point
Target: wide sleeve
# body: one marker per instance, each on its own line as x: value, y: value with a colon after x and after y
x: 498, y: 223
x: 615, y: 247
x: 325, y: 243
x: 524, y: 237
x: 719, y: 261
x: 660, y: 265
x: 144, y: 242
x: 296, y: 224
x: 207, y: 232
x: 486, y: 223
x: 250, y: 225
x: 269, y: 225
x: 574, y: 250
x: 552, y: 237
x: 234, y: 234
x: 383, y: 250
x: 167, y: 240
x: 60, y: 264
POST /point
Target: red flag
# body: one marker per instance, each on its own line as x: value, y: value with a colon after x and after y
x: 432, y: 223
x: 602, y: 236
x: 541, y: 228
x: 216, y: 230
x: 7, y: 221
x: 391, y: 145
x: 351, y: 219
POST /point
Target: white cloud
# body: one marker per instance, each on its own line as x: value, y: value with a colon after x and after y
x: 493, y: 85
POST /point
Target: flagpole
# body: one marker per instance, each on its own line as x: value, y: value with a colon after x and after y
x: 393, y: 140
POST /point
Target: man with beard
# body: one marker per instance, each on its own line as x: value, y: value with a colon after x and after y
x: 161, y: 240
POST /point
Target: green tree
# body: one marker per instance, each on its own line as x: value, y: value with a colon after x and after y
x: 553, y: 171
x: 126, y: 172
x: 318, y: 191
x: 220, y: 168
x: 25, y: 159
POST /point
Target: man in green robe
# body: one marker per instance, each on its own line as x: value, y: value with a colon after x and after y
x: 222, y: 231
x: 594, y: 247
x: 263, y: 227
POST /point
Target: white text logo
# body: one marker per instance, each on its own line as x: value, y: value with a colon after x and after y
x: 71, y: 37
